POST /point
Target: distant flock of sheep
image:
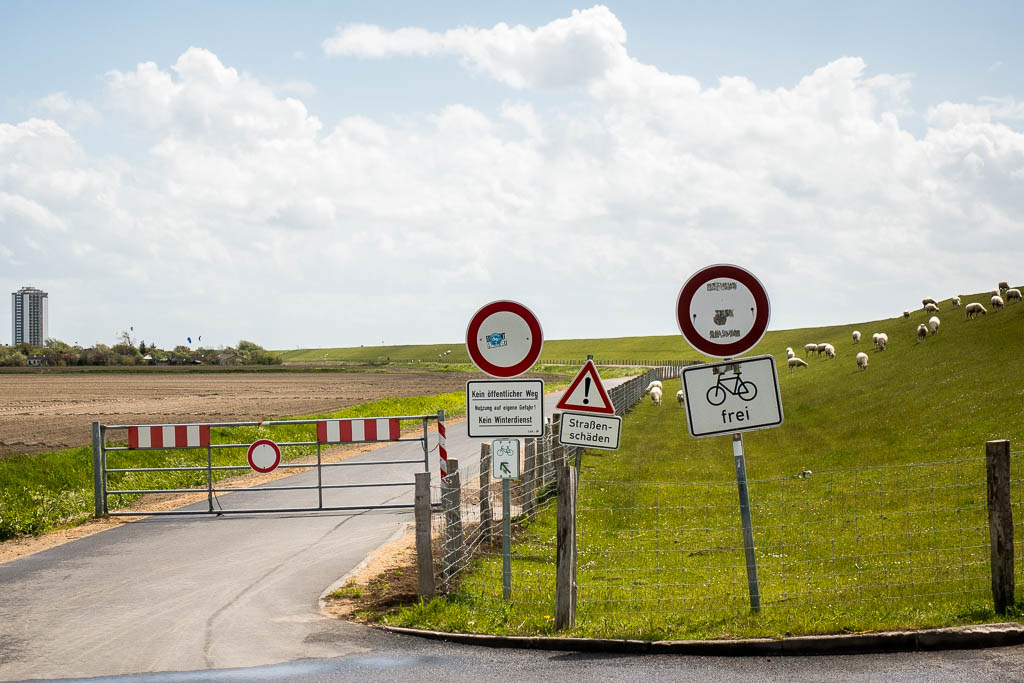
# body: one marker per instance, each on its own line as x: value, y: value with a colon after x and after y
x: 881, y: 339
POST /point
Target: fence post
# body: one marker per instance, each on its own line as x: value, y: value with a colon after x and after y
x: 424, y: 551
x: 1000, y: 523
x: 486, y: 516
x: 530, y: 478
x: 453, y: 541
x: 557, y: 449
x: 99, y: 500
x: 565, y: 559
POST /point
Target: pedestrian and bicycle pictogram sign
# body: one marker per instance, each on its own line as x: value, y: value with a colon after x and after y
x: 733, y: 396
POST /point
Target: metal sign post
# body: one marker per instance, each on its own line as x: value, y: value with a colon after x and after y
x: 505, y: 466
x: 748, y: 526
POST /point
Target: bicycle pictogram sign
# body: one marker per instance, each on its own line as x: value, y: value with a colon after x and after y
x: 731, y: 384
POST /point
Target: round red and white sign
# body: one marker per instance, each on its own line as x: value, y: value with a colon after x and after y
x: 723, y: 311
x: 264, y: 455
x: 504, y: 339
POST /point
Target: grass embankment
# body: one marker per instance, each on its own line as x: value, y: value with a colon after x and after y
x: 872, y: 537
x: 44, y: 491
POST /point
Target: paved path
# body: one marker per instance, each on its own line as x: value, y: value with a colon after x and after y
x: 193, y: 593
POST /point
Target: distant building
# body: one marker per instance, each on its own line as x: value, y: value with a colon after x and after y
x: 29, y: 321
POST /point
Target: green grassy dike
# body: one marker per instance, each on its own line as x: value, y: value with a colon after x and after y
x: 887, y: 530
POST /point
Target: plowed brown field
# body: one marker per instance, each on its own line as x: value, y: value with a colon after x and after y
x: 43, y: 412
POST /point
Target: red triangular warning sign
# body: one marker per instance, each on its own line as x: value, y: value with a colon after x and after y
x: 586, y: 394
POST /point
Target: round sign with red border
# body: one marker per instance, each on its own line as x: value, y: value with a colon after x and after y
x: 723, y: 311
x: 504, y: 339
x: 264, y: 455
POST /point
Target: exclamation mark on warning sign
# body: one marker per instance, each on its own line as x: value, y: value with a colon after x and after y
x: 586, y: 390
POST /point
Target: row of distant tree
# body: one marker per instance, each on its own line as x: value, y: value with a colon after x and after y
x: 55, y: 352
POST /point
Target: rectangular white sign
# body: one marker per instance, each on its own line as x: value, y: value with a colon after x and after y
x: 505, y: 407
x: 732, y: 396
x: 505, y: 458
x: 590, y: 430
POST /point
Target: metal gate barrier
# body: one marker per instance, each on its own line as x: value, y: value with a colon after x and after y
x: 179, y: 459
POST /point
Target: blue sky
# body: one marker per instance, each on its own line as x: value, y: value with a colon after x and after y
x: 584, y: 164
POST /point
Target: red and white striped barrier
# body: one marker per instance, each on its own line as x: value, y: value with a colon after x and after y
x: 358, y: 429
x: 442, y: 448
x: 169, y: 436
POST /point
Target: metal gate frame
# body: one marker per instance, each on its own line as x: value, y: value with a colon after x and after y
x: 101, y: 492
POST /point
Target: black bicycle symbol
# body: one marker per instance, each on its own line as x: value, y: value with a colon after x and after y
x: 505, y: 450
x: 740, y: 387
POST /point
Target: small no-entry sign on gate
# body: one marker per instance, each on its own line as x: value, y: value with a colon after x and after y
x: 264, y: 455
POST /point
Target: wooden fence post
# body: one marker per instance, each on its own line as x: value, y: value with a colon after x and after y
x: 424, y: 551
x: 557, y: 449
x: 1000, y: 523
x: 565, y: 558
x: 486, y: 516
x: 453, y: 540
x: 530, y: 478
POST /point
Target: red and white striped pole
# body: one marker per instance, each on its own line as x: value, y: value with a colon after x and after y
x: 442, y: 444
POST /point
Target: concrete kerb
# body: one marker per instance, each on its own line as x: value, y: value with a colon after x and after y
x: 950, y: 638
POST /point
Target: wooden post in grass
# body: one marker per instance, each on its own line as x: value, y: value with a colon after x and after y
x: 530, y: 478
x: 424, y: 551
x: 565, y: 558
x: 1000, y: 523
x: 486, y: 516
x: 453, y: 540
x: 557, y: 449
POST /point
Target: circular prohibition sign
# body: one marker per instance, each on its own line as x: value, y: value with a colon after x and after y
x: 704, y: 312
x: 264, y: 455
x: 504, y: 339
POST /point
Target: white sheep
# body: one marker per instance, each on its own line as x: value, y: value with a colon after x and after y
x: 906, y: 314
x: 795, y: 363
x: 881, y: 341
x: 830, y: 351
x: 933, y: 324
x: 997, y: 302
x: 790, y: 353
x: 681, y: 397
x: 856, y: 337
x: 1013, y: 295
x: 874, y: 338
x: 655, y: 383
x: 656, y: 395
x: 808, y: 348
x: 862, y: 360
x: 931, y: 308
x: 928, y: 300
x: 956, y: 302
x: 820, y: 348
x: 973, y: 310
x: 922, y: 332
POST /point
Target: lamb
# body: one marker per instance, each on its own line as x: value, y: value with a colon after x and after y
x: 856, y: 337
x: 795, y: 363
x: 933, y: 324
x: 906, y: 314
x: 956, y: 302
x: 830, y: 351
x: 974, y: 310
x: 656, y: 396
x: 928, y: 300
x: 922, y: 332
x: 862, y: 360
x: 808, y: 348
x: 931, y: 308
x: 881, y: 341
x: 997, y: 302
x: 681, y: 397
x: 1012, y: 295
x: 655, y: 383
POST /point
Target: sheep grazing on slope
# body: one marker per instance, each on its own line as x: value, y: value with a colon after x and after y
x: 881, y: 341
x: 997, y: 302
x: 820, y: 348
x: 874, y: 338
x: 790, y: 353
x: 906, y: 314
x: 928, y: 300
x: 933, y: 324
x: 922, y: 332
x: 974, y: 310
x: 681, y: 397
x: 1012, y: 295
x: 1003, y: 286
x: 856, y: 337
x: 830, y: 351
x: 931, y: 308
x: 956, y: 302
x: 656, y: 396
x: 652, y: 385
x: 809, y: 348
x: 862, y: 360
x: 795, y: 363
